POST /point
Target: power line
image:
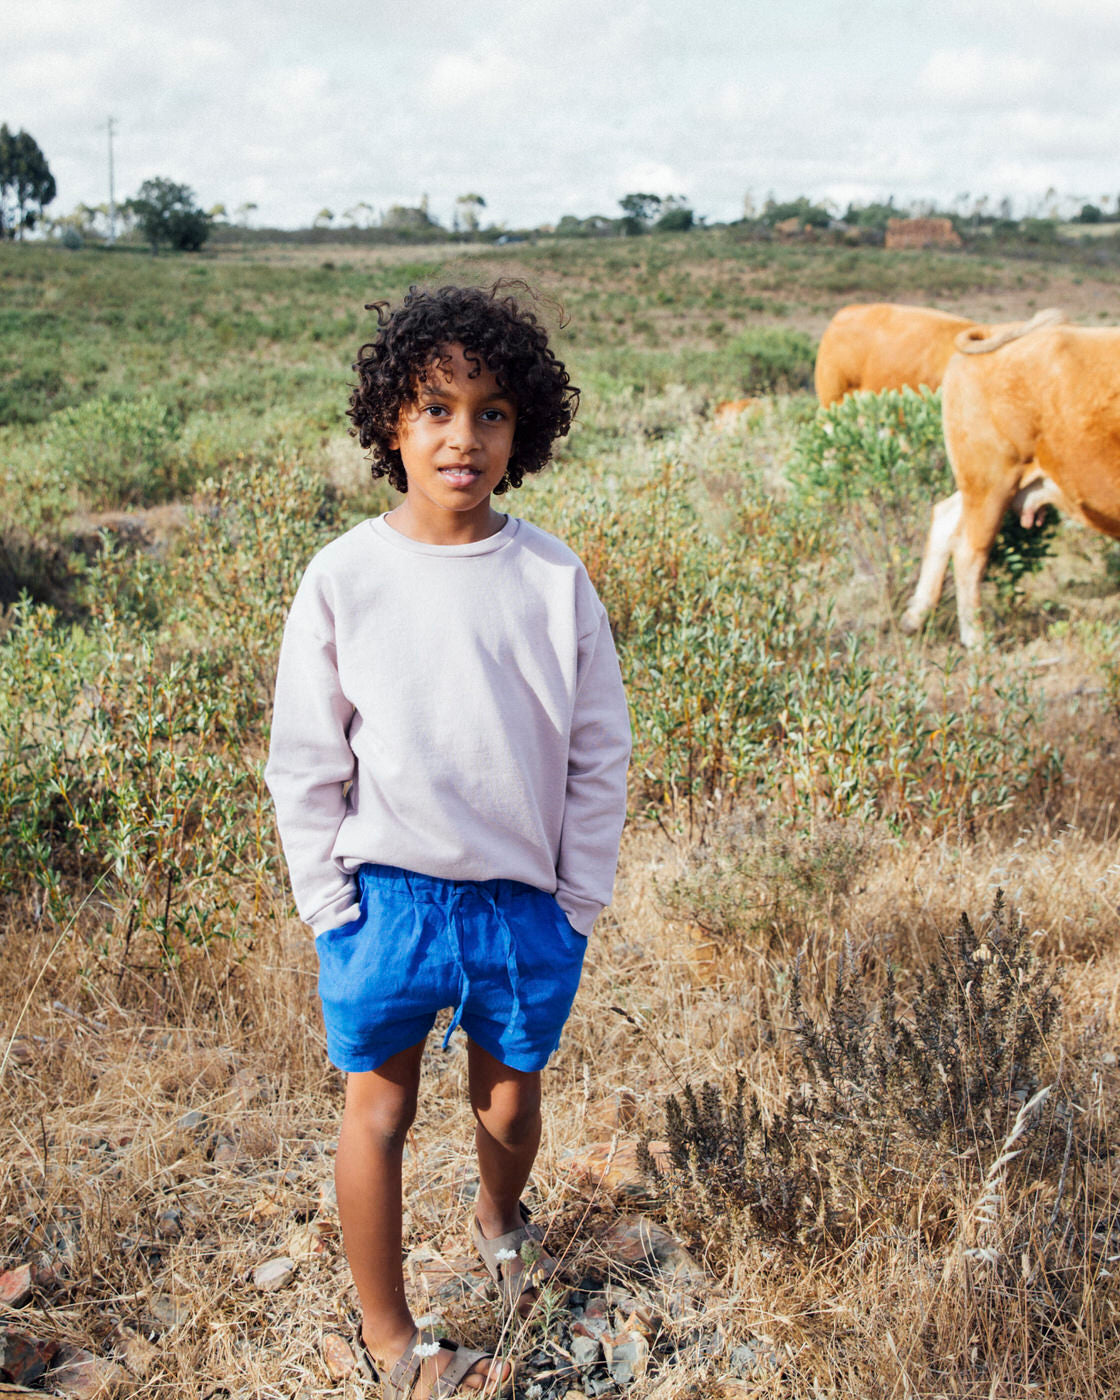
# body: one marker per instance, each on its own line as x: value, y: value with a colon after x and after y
x: 110, y: 126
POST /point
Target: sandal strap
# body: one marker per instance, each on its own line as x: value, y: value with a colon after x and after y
x: 457, y: 1369
x: 403, y: 1375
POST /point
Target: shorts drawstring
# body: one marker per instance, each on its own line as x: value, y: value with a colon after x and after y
x: 455, y: 924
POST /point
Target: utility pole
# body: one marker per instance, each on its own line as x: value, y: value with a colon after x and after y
x: 110, y: 126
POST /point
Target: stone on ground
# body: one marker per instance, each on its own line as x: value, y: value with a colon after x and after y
x: 276, y: 1273
x: 82, y: 1375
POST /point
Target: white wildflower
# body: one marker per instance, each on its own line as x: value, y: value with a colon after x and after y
x: 503, y: 1256
x: 426, y: 1349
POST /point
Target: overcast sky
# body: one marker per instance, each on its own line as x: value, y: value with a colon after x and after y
x: 552, y: 107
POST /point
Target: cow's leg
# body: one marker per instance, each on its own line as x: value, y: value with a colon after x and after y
x: 980, y: 522
x: 943, y: 532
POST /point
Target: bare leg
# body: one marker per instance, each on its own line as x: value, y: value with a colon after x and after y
x: 507, y: 1109
x: 380, y: 1107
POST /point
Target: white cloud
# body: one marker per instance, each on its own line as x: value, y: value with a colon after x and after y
x: 456, y: 79
x: 970, y: 77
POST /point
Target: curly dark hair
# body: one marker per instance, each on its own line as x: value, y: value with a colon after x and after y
x: 488, y: 323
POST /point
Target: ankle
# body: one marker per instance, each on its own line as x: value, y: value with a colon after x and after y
x: 496, y: 1218
x: 386, y: 1340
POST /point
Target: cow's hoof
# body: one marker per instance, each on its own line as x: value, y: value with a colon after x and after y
x: 911, y: 622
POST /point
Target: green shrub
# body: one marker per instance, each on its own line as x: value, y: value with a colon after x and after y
x: 875, y: 464
x: 130, y: 750
x: 763, y: 360
x: 758, y: 880
x: 117, y: 452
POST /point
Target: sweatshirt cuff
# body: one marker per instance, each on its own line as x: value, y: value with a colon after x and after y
x: 343, y: 910
x: 581, y: 913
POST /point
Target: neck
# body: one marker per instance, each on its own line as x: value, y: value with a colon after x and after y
x: 446, y: 526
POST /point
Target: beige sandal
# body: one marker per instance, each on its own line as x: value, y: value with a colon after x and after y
x: 537, y: 1267
x: 398, y: 1384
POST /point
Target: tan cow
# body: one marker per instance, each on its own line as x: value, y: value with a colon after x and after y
x: 883, y: 346
x: 1031, y: 420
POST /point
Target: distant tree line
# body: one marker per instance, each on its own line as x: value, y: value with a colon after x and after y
x: 165, y: 213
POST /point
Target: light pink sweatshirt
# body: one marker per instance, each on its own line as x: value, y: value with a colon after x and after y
x: 456, y: 710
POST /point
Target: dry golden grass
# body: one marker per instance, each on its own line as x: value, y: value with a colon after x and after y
x: 96, y: 1154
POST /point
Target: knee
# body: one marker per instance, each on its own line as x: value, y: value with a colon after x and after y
x: 384, y: 1122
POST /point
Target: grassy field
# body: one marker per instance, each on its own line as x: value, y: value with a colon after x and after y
x: 885, y: 1200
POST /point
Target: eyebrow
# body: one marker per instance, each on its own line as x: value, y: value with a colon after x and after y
x: 430, y: 391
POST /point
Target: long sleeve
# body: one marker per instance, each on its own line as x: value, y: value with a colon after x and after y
x: 310, y: 760
x: 595, y: 800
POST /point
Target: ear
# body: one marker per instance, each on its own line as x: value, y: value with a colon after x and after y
x: 394, y: 442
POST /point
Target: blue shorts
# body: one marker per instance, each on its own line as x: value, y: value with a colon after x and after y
x: 503, y: 954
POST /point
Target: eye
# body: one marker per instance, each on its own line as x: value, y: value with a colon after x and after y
x: 434, y: 410
x: 493, y: 415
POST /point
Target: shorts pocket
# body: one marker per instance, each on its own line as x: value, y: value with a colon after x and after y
x: 566, y: 925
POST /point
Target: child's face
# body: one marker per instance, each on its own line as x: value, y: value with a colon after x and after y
x: 455, y: 439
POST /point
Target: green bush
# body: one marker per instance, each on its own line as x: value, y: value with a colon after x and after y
x: 117, y: 452
x: 758, y: 881
x: 130, y: 749
x: 874, y: 464
x: 763, y: 360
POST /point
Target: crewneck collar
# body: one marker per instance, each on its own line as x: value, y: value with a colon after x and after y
x: 385, y: 532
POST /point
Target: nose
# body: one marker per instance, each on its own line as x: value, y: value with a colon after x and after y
x: 464, y: 433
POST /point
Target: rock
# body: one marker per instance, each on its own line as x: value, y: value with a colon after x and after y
x: 314, y: 1238
x: 276, y: 1273
x: 596, y: 1310
x: 167, y: 1313
x: 81, y: 1374
x: 627, y: 1357
x: 189, y: 1121
x: 585, y: 1350
x: 16, y: 1286
x: 642, y: 1244
x: 169, y: 1223
x: 610, y: 1167
x: 23, y: 1358
x: 249, y: 1086
x: 338, y: 1356
x: 442, y: 1280
x: 224, y: 1151
x: 22, y: 1050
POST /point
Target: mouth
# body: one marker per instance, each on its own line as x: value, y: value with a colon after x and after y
x: 460, y: 474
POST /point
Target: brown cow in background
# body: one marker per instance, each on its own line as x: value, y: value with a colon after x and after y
x: 879, y: 345
x: 1032, y: 418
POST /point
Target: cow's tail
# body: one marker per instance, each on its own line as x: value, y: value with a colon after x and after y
x: 981, y: 340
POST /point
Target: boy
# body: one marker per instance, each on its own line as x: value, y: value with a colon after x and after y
x: 448, y: 763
